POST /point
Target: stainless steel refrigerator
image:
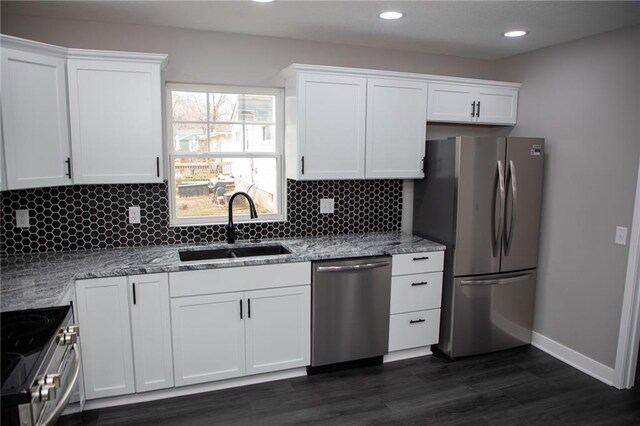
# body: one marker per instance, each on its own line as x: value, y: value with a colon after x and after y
x: 481, y: 197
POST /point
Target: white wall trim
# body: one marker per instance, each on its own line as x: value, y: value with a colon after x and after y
x: 575, y: 359
x: 189, y: 390
x: 629, y: 334
x: 406, y: 354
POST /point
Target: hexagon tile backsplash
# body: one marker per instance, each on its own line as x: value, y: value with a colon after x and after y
x: 96, y: 216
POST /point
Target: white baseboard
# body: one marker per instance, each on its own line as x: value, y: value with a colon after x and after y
x: 406, y: 354
x: 575, y: 359
x: 193, y: 389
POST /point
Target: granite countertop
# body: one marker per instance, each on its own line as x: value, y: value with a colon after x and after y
x: 44, y: 279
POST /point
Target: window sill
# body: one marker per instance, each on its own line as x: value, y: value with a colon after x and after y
x: 236, y: 221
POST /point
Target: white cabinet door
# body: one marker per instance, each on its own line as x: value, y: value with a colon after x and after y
x: 496, y: 106
x: 331, y: 126
x: 396, y: 128
x: 151, y: 328
x: 103, y: 313
x: 116, y: 125
x: 34, y: 115
x: 450, y: 103
x: 278, y: 329
x: 208, y: 338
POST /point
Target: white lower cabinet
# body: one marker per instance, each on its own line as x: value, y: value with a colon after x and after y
x: 221, y: 336
x: 151, y: 330
x: 208, y: 338
x: 414, y: 329
x: 126, y: 334
x: 277, y: 329
x: 416, y: 297
x: 103, y: 314
x: 232, y: 322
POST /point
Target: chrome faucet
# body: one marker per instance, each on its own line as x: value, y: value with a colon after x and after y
x: 231, y: 234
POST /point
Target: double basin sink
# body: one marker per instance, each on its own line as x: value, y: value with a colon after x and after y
x: 232, y: 253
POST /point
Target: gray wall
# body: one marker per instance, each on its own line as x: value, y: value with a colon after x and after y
x: 222, y: 58
x: 584, y: 98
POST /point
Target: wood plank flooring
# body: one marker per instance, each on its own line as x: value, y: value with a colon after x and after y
x: 522, y: 386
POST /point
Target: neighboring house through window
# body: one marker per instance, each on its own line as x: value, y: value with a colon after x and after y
x: 224, y: 140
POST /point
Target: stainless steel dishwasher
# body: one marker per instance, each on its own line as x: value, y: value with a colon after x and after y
x: 350, y: 309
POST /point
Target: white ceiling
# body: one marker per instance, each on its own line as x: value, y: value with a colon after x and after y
x: 461, y: 28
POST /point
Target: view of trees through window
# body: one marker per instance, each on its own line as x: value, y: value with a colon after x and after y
x: 223, y: 143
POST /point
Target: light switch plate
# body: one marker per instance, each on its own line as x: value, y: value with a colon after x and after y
x: 621, y: 235
x: 22, y: 218
x: 327, y: 205
x: 134, y: 214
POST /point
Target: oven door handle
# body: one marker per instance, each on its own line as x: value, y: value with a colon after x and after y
x: 62, y: 403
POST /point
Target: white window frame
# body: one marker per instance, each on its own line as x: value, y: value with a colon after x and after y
x: 278, y: 154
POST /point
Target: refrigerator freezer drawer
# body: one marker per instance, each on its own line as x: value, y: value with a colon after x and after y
x: 417, y: 292
x: 492, y: 312
x: 417, y: 263
x: 414, y: 329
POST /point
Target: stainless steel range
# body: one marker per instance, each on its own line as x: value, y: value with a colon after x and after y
x: 40, y: 365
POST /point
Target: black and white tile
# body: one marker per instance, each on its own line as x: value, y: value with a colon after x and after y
x: 96, y: 216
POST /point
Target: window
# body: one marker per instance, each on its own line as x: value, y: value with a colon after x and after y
x: 223, y: 140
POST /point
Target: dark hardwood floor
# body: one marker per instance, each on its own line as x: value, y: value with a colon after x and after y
x: 522, y: 386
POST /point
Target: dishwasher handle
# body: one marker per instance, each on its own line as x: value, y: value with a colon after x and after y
x: 352, y: 267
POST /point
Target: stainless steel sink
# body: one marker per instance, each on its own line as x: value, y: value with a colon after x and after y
x: 231, y: 253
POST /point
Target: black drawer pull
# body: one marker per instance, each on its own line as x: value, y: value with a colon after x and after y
x: 420, y: 283
x: 415, y: 321
x: 421, y: 258
x: 240, y: 308
x: 134, y: 292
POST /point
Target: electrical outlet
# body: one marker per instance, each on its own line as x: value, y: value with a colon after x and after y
x: 22, y: 218
x: 621, y: 235
x: 134, y: 214
x: 327, y: 205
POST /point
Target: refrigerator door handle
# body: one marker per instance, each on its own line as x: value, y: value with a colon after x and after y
x: 514, y: 206
x: 509, y: 280
x: 499, y: 227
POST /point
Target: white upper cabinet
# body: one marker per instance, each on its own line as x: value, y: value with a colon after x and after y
x: 326, y: 132
x: 496, y: 106
x: 396, y: 128
x: 34, y: 116
x: 347, y: 123
x: 115, y: 116
x: 476, y: 103
x: 79, y: 116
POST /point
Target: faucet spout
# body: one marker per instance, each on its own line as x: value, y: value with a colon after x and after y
x: 231, y: 234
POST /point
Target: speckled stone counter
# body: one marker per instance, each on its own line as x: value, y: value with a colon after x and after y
x: 45, y: 279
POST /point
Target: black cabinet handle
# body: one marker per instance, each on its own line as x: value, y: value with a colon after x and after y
x: 478, y: 113
x: 68, y: 161
x: 420, y: 283
x: 473, y: 109
x: 134, y: 292
x: 302, y: 161
x: 240, y: 308
x: 158, y: 166
x: 416, y: 321
x: 421, y: 258
x: 248, y: 308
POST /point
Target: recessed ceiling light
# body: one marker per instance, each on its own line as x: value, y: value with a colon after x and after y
x: 516, y: 33
x: 264, y: 1
x: 390, y: 15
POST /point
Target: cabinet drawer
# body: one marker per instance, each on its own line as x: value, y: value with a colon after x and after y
x: 414, y: 329
x: 416, y: 263
x: 416, y: 292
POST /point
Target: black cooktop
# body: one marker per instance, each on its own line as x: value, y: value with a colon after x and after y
x: 26, y: 337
